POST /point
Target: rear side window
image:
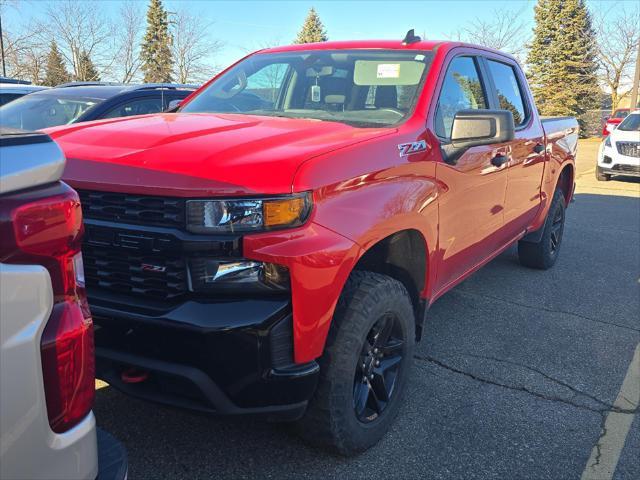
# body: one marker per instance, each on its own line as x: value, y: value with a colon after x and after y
x: 8, y: 97
x: 141, y: 106
x: 508, y: 90
x: 461, y: 90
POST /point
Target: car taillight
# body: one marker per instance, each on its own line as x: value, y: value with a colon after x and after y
x: 44, y: 227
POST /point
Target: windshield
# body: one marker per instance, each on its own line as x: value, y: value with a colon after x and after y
x: 631, y: 123
x: 364, y: 88
x: 35, y: 112
x: 620, y: 113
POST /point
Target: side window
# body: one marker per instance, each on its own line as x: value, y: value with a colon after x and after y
x: 461, y: 90
x: 508, y: 90
x: 267, y: 82
x: 140, y: 106
x: 8, y: 97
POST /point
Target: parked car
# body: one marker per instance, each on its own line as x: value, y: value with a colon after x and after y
x: 82, y: 102
x: 47, y: 429
x: 619, y: 153
x: 13, y: 89
x: 612, y: 121
x: 274, y: 246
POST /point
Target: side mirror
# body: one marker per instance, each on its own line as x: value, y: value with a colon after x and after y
x: 173, y: 106
x: 472, y: 128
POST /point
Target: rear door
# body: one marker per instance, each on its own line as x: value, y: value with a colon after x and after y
x: 526, y: 152
x: 472, y: 194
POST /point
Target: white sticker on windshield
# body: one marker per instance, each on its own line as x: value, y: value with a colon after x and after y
x: 389, y: 70
x: 419, y: 58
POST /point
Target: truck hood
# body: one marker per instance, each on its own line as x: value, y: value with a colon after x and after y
x: 198, y: 155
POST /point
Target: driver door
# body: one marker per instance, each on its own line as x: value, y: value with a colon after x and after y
x: 472, y: 192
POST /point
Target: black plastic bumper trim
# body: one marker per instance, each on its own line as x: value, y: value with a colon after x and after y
x: 216, y: 400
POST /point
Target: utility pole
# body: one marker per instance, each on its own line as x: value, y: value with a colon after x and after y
x: 4, y: 66
x: 636, y: 83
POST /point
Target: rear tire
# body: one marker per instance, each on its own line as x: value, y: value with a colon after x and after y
x: 543, y: 254
x: 364, y: 370
x: 601, y: 176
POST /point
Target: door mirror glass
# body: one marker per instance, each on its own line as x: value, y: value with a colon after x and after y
x: 472, y: 128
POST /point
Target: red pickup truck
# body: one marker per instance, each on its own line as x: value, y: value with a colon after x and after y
x: 273, y: 246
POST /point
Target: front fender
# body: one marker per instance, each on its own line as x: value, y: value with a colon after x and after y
x: 319, y: 262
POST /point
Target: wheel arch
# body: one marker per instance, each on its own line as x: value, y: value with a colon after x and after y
x: 565, y: 182
x: 402, y: 255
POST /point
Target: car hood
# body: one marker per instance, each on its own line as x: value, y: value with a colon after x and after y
x: 625, y: 136
x: 198, y: 154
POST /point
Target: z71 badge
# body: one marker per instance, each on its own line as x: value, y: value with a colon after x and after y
x: 413, y: 147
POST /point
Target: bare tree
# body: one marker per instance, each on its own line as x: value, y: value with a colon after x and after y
x: 193, y: 47
x: 502, y: 30
x: 80, y: 29
x: 128, y: 49
x: 25, y: 55
x: 618, y: 33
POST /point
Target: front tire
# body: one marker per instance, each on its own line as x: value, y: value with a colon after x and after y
x: 543, y: 254
x: 365, y: 366
x: 601, y: 176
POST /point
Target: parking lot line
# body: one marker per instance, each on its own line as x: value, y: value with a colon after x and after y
x: 606, y: 453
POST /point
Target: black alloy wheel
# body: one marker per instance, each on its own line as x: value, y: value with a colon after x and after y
x: 377, y: 370
x: 557, y: 229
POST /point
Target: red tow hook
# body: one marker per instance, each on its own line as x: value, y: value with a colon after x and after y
x: 134, y: 375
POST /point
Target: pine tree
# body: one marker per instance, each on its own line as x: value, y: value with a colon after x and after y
x: 562, y: 59
x: 56, y: 72
x: 312, y: 29
x: 87, y: 71
x: 157, y: 61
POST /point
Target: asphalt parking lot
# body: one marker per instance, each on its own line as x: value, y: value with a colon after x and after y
x: 518, y: 373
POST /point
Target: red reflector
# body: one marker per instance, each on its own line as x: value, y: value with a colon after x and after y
x: 68, y: 365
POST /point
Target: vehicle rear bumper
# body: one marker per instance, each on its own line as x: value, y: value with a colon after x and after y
x: 228, y: 357
x: 112, y: 458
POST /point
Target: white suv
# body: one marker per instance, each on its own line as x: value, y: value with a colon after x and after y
x: 47, y: 388
x: 619, y: 153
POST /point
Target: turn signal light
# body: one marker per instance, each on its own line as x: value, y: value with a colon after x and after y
x: 284, y: 212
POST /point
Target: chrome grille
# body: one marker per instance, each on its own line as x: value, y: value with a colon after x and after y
x: 629, y: 149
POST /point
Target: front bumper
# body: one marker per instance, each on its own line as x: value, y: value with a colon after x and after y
x: 230, y: 357
x: 621, y: 169
x: 612, y: 162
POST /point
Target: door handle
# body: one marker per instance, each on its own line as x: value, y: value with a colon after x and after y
x: 539, y: 148
x: 499, y: 160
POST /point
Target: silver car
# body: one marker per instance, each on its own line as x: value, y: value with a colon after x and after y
x: 47, y: 387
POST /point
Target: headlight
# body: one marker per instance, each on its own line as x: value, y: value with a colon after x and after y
x: 607, y: 141
x: 247, y: 215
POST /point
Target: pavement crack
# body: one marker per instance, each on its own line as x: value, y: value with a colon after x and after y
x: 550, y: 310
x: 522, y: 388
x: 598, y: 445
x: 576, y: 391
